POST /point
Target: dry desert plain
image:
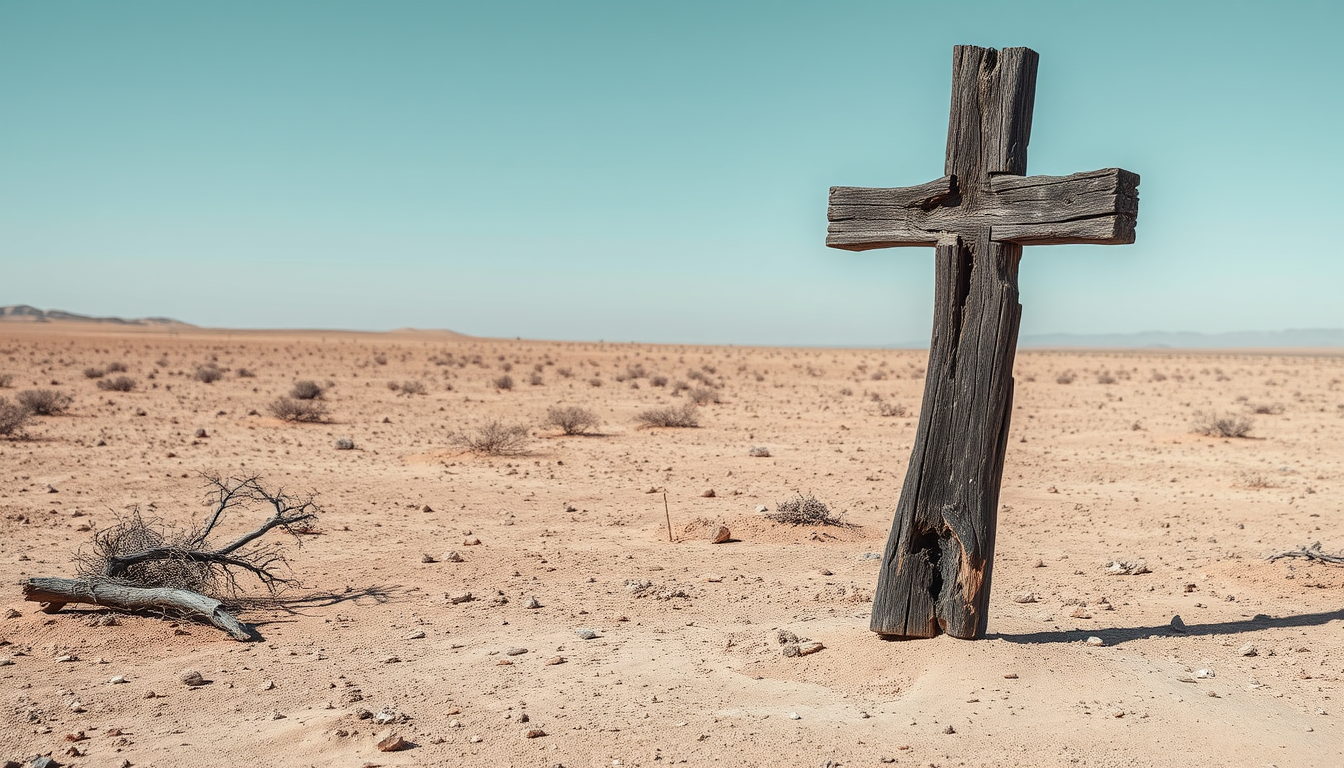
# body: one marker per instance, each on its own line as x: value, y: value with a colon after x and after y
x: 685, y: 667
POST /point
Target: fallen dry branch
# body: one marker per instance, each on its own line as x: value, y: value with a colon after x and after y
x: 1310, y: 553
x: 138, y: 564
x: 56, y: 593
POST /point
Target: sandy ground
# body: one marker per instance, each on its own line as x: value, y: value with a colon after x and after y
x: 687, y: 670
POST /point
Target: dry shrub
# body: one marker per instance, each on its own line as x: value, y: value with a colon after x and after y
x: 703, y: 395
x: 413, y: 388
x: 1065, y: 377
x: 572, y: 420
x: 245, y: 373
x: 1105, y: 377
x: 94, y: 373
x: 805, y: 510
x: 6, y: 380
x: 117, y: 384
x: 494, y: 438
x: 892, y: 409
x: 504, y: 382
x: 12, y: 418
x: 535, y: 379
x: 208, y: 374
x: 116, y: 367
x: 1222, y: 424
x: 671, y: 416
x: 595, y: 382
x: 658, y: 381
x: 759, y: 451
x: 289, y: 409
x: 306, y: 390
x: 1266, y: 409
x: 345, y: 444
x: 45, y: 402
x: 133, y: 533
x: 564, y: 372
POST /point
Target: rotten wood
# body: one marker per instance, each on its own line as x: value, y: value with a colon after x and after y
x: 937, y: 567
x: 56, y: 593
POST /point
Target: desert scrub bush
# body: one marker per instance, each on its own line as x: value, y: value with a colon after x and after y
x: 6, y: 380
x: 345, y: 444
x: 245, y: 373
x: 117, y: 384
x: 1266, y: 409
x: 595, y: 382
x: 1065, y: 377
x: 658, y: 381
x: 94, y: 373
x: 804, y: 510
x: 571, y: 419
x: 702, y: 395
x: 494, y: 438
x: 1221, y: 424
x: 535, y: 379
x: 208, y: 374
x: 892, y: 409
x: 413, y: 388
x: 12, y: 418
x: 290, y: 409
x: 115, y: 366
x: 305, y: 390
x: 45, y: 402
x: 565, y: 373
x: 759, y: 452
x: 671, y: 416
x: 1105, y: 377
x: 504, y: 382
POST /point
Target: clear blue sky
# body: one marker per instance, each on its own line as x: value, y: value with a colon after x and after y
x: 651, y: 171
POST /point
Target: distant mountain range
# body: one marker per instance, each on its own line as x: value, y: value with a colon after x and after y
x: 22, y: 313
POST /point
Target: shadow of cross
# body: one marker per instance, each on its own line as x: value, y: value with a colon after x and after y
x: 935, y: 573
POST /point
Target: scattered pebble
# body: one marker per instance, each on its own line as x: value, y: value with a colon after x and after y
x: 809, y: 647
x: 269, y: 685
x: 117, y: 680
x: 11, y: 613
x: 949, y: 729
x: 795, y: 716
x: 585, y: 633
x: 532, y: 602
x: 1010, y: 676
x: 708, y: 493
x: 418, y: 634
x: 471, y: 541
x: 459, y: 597
x: 721, y: 535
x: 1247, y: 650
x: 1095, y: 642
x: 393, y: 742
x: 1204, y: 674
x: 534, y: 733
x: 475, y: 739
x: 1081, y: 613
x: 192, y: 678
x: 66, y: 658
x: 277, y: 715
x: 427, y: 558
x: 515, y: 652
x: 1177, y: 624
x: 1127, y: 567
x: 555, y: 660
x: 1026, y: 597
x: 452, y: 556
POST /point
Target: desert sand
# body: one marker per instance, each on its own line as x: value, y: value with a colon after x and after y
x: 685, y: 666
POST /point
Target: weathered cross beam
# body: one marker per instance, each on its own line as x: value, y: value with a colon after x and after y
x: 936, y: 569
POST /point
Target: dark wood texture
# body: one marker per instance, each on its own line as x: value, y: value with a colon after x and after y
x: 57, y: 592
x: 936, y: 570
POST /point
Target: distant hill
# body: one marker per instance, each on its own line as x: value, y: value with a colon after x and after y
x: 22, y: 313
x: 1295, y: 337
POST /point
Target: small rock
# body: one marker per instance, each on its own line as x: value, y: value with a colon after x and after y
x: 515, y: 652
x: 809, y: 647
x: 10, y: 613
x: 1039, y: 564
x: 77, y: 707
x: 475, y: 739
x: 949, y: 729
x: 1176, y: 624
x: 551, y: 662
x: 585, y: 633
x: 418, y: 634
x: 459, y: 597
x: 1127, y: 567
x: 5, y: 661
x: 192, y: 678
x: 392, y: 743
x: 534, y: 733
x: 1095, y: 642
x: 1010, y: 676
x: 201, y: 433
x: 66, y: 658
x: 795, y: 716
x: 721, y: 535
x: 269, y: 685
x: 118, y: 680
x: 426, y: 509
x: 1026, y: 597
x: 532, y: 602
x: 1247, y: 650
x: 52, y: 489
x: 277, y: 715
x: 392, y: 660
x: 363, y: 714
x: 708, y: 493
x: 452, y: 556
x: 471, y: 541
x: 1204, y: 674
x: 824, y: 572
x: 762, y: 509
x: 1080, y: 613
x: 427, y: 558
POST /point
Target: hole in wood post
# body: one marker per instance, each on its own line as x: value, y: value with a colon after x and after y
x: 929, y: 548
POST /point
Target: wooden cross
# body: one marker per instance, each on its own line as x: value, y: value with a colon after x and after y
x: 936, y: 569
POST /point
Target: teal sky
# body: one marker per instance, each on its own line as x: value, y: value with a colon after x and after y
x: 652, y: 171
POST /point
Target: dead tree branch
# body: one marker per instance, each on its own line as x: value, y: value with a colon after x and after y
x: 111, y: 594
x: 1310, y: 553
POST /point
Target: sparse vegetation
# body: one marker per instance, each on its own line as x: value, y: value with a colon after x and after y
x: 245, y: 373
x: 892, y: 409
x: 572, y: 420
x: 12, y: 418
x: 805, y: 510
x: 1065, y: 377
x: 504, y: 382
x: 115, y: 367
x: 290, y: 409
x: 345, y: 444
x: 1222, y: 424
x: 45, y: 402
x: 670, y: 416
x: 413, y: 388
x: 494, y: 438
x: 208, y: 374
x: 703, y: 395
x: 306, y: 390
x: 759, y: 452
x: 117, y: 384
x: 1105, y: 377
x: 94, y: 373
x: 658, y: 381
x: 6, y: 380
x: 1266, y: 409
x: 535, y: 379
